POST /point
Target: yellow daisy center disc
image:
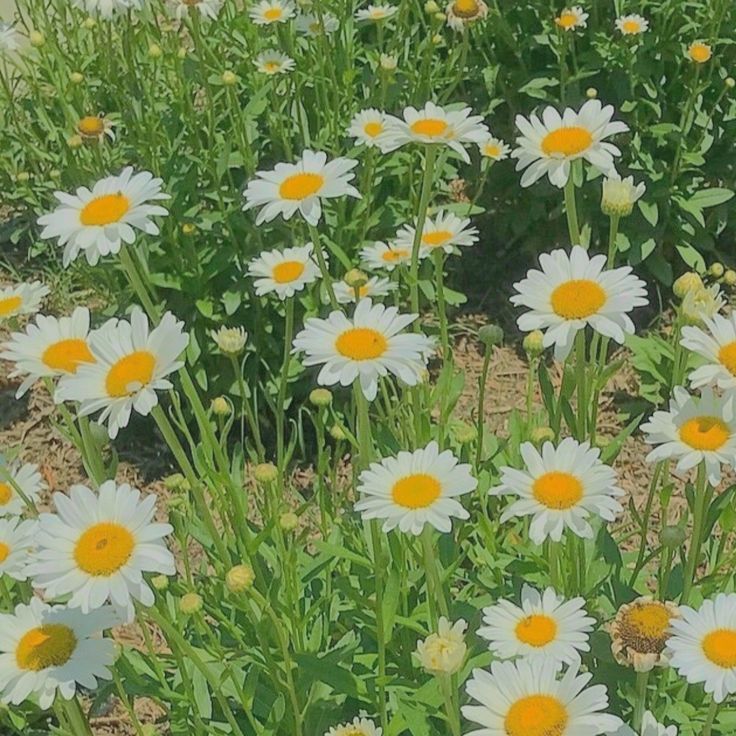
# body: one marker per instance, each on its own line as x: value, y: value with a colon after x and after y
x: 104, y: 210
x: 9, y: 305
x: 4, y: 552
x: 567, y: 20
x: 705, y: 433
x: 361, y: 343
x: 700, y: 53
x: 394, y: 254
x: 436, y: 238
x: 631, y: 26
x: 720, y: 647
x: 66, y: 355
x: 557, y: 490
x: 273, y: 14
x: 568, y: 141
x: 288, y: 271
x: 6, y: 493
x: 536, y: 715
x: 130, y: 374
x: 645, y: 627
x: 301, y: 186
x: 577, y: 299
x: 429, y: 127
x: 91, y: 126
x: 537, y: 630
x: 50, y: 645
x: 103, y: 549
x: 727, y: 357
x: 465, y: 8
x: 373, y: 129
x: 416, y: 491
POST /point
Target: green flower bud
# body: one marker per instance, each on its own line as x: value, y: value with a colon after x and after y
x: 729, y: 278
x: 191, y: 603
x: 321, y: 397
x: 463, y: 432
x: 265, y: 473
x: 240, y: 578
x: 673, y: 536
x: 688, y: 282
x: 540, y: 435
x: 490, y: 335
x: 716, y: 270
x: 155, y: 51
x: 229, y: 78
x: 160, y: 582
x: 220, y: 406
x: 534, y: 344
x: 288, y: 521
x: 337, y: 433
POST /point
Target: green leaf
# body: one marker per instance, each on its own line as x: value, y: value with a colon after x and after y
x: 711, y: 197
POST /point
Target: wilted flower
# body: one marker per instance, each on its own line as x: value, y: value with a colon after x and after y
x: 230, y: 340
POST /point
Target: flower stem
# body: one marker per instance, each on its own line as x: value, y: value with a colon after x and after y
x: 480, y: 418
x: 642, y: 680
x: 76, y: 717
x: 710, y: 719
x: 612, y: 235
x: 571, y: 210
x: 701, y: 505
x: 283, y: 383
x: 424, y: 198
x: 317, y: 243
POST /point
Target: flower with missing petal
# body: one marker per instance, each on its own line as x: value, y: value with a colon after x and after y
x: 443, y: 652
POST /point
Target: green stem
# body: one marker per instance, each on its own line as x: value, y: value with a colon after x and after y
x: 317, y: 243
x: 481, y: 405
x: 710, y: 719
x: 435, y: 591
x: 77, y: 718
x: 642, y: 680
x: 453, y: 715
x: 571, y: 210
x: 439, y: 266
x: 581, y: 380
x: 612, y: 235
x: 424, y: 197
x: 283, y: 383
x: 700, y: 502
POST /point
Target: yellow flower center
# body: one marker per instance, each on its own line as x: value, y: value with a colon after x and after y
x: 103, y: 549
x: 536, y: 715
x: 288, y: 271
x: 567, y: 141
x: 91, y: 126
x: 273, y: 14
x: 394, y: 254
x: 373, y: 129
x: 50, y: 645
x: 577, y: 299
x: 10, y: 305
x: 492, y: 150
x: 567, y: 19
x: 301, y: 186
x: 720, y: 647
x: 436, y: 238
x: 104, y: 210
x: 416, y: 491
x: 644, y: 627
x: 727, y: 357
x: 4, y: 552
x: 361, y: 343
x: 130, y: 374
x: 66, y: 355
x: 429, y: 127
x: 537, y: 630
x: 465, y: 8
x: 557, y: 490
x: 631, y: 26
x: 272, y: 66
x: 700, y: 52
x: 6, y: 494
x: 705, y: 433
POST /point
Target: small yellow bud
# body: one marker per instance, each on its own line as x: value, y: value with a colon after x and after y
x: 337, y: 433
x: 355, y: 278
x: 591, y: 93
x: 76, y: 77
x: 716, y: 270
x: 431, y: 7
x: 220, y: 406
x: 463, y: 432
x: 155, y: 51
x: 89, y: 23
x: 729, y: 278
x: 288, y: 521
x: 265, y: 473
x: 688, y: 282
x: 240, y: 578
x: 539, y: 435
x: 490, y: 335
x: 55, y: 174
x: 188, y: 228
x: 182, y: 52
x: 191, y: 603
x: 534, y: 344
x: 387, y: 62
x: 440, y: 17
x: 160, y: 582
x: 229, y: 78
x: 437, y: 39
x: 230, y: 340
x: 22, y: 177
x: 730, y: 82
x: 74, y: 141
x: 321, y: 397
x: 37, y: 39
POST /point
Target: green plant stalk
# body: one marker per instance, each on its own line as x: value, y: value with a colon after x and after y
x: 645, y: 523
x: 283, y: 383
x: 581, y: 380
x: 554, y: 564
x: 710, y: 719
x: 317, y: 243
x: 435, y: 591
x: 700, y: 510
x: 247, y: 410
x: 77, y: 718
x: 613, y: 224
x: 480, y: 423
x: 451, y: 707
x: 571, y: 210
x: 642, y: 680
x: 439, y: 266
x: 126, y: 701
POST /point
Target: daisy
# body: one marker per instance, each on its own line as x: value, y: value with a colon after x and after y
x: 26, y: 477
x: 618, y: 196
x: 300, y: 187
x: 271, y: 11
x: 695, y: 429
x: 376, y: 12
x: 273, y: 62
x: 527, y: 699
x: 414, y: 489
x: 95, y: 128
x: 50, y: 347
x: 312, y: 26
x: 131, y: 365
x: 365, y: 347
x: 548, y: 145
x: 717, y: 344
x: 445, y: 231
x: 21, y: 299
x: 97, y: 547
x: 560, y: 488
x: 632, y: 25
x: 699, y: 52
x: 9, y: 38
x: 208, y: 9
x: 461, y: 13
x: 639, y: 633
x: 443, y: 653
x: 45, y: 650
x: 545, y: 627
x: 433, y: 124
x: 703, y: 645
x: 572, y: 291
x: 382, y: 255
x: 359, y: 727
x: 16, y: 541
x: 571, y: 18
x: 374, y: 287
x: 284, y: 272
x: 107, y: 8
x: 99, y: 221
x: 369, y: 127
x: 494, y: 148
x: 701, y: 304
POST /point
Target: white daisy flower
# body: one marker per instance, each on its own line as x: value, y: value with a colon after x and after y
x: 701, y: 304
x: 618, y: 196
x: 571, y: 18
x: 16, y: 542
x: 632, y: 25
x: 443, y: 652
x: 369, y: 127
x: 445, y: 230
x: 544, y: 627
x: 9, y: 38
x: 26, y: 477
x: 208, y: 9
x: 97, y: 547
x: 284, y: 271
x: 515, y: 698
x: 414, y: 489
x: 365, y: 347
x: 358, y: 727
x: 699, y: 52
x: 376, y: 12
x: 132, y: 362
x: 494, y: 148
x: 462, y: 13
x: 649, y: 727
x: 383, y: 255
x: 376, y: 286
x: 49, y: 650
x: 300, y: 187
x: 52, y: 346
x: 311, y: 25
x: 274, y: 62
x: 695, y: 429
x: 717, y: 344
x: 703, y: 645
x: 19, y: 299
x: 560, y: 488
x: 572, y: 291
x: 549, y: 145
x: 434, y: 124
x: 267, y: 12
x: 99, y: 221
x: 96, y: 128
x: 107, y: 8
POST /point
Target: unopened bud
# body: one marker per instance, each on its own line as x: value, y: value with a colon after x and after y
x: 591, y: 93
x: 229, y: 78
x: 673, y: 536
x: 730, y: 82
x: 729, y: 278
x: 74, y: 141
x: 265, y: 473
x: 154, y: 51
x: 160, y: 582
x: 540, y: 435
x: 490, y: 335
x: 22, y: 177
x: 431, y: 7
x: 355, y: 278
x: 320, y: 397
x: 76, y: 77
x: 220, y: 406
x: 191, y: 603
x: 688, y: 282
x: 337, y: 433
x: 288, y: 521
x: 89, y: 23
x: 230, y: 340
x: 387, y: 62
x: 437, y: 39
x: 188, y: 228
x: 182, y: 52
x: 716, y: 270
x: 36, y: 38
x: 240, y: 578
x: 440, y: 17
x: 463, y: 432
x: 533, y: 344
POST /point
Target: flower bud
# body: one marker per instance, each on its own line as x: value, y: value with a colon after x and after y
x: 437, y: 39
x: 230, y: 340
x: 533, y: 344
x: 672, y: 536
x: 730, y: 82
x: 729, y: 278
x: 337, y: 433
x: 288, y: 521
x: 490, y: 335
x: 463, y: 432
x: 160, y: 582
x: 355, y: 278
x: 240, y: 578
x: 431, y: 7
x: 716, y: 270
x: 440, y: 17
x: 265, y: 473
x: 688, y: 282
x: 148, y: 729
x: 591, y: 93
x: 74, y: 141
x: 220, y: 406
x: 182, y: 52
x: 620, y: 195
x: 89, y: 23
x: 37, y: 39
x: 22, y: 177
x: 229, y: 78
x: 76, y: 77
x: 320, y: 397
x: 191, y: 603
x: 155, y: 51
x: 387, y: 62
x: 188, y: 228
x: 540, y: 435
